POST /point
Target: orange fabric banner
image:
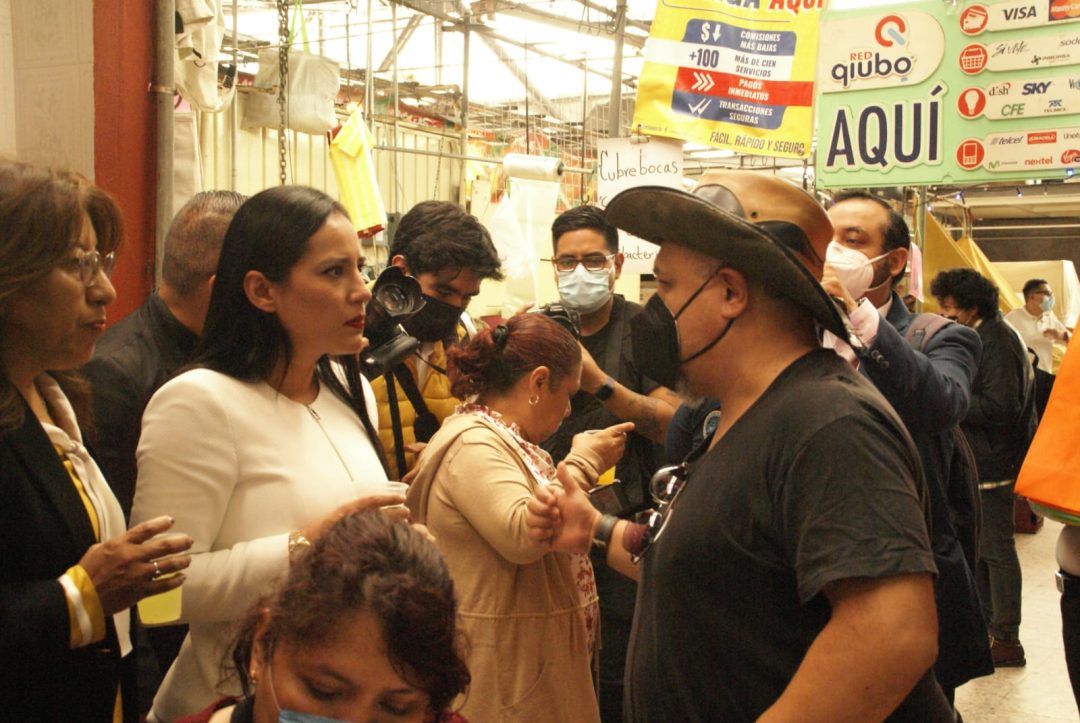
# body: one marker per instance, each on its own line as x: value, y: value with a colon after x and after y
x: 1050, y: 475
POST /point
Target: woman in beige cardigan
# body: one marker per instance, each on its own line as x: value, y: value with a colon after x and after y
x: 530, y: 615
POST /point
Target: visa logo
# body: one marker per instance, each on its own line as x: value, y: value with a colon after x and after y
x: 1035, y: 88
x: 1020, y: 13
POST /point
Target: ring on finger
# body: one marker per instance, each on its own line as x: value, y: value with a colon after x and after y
x: 157, y: 570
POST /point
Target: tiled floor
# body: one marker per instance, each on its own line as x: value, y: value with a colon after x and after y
x: 1039, y: 692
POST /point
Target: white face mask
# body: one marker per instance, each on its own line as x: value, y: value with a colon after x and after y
x: 854, y: 270
x: 1047, y: 303
x: 584, y: 291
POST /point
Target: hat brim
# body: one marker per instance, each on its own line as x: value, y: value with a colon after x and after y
x: 659, y: 214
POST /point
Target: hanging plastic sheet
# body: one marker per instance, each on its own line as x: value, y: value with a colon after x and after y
x: 198, y: 46
x: 358, y: 188
x: 310, y: 89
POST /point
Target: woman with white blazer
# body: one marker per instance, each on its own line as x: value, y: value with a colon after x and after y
x: 269, y: 437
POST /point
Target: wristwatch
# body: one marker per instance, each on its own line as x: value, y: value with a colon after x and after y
x: 606, y: 390
x: 604, y: 530
x: 1067, y: 583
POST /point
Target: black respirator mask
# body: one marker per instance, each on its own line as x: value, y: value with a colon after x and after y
x: 656, y: 340
x: 395, y: 298
x: 436, y: 321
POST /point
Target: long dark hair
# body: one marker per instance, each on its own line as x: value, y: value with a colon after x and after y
x: 270, y: 234
x: 41, y: 217
x: 367, y: 563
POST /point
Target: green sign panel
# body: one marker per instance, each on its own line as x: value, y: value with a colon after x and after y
x: 929, y: 93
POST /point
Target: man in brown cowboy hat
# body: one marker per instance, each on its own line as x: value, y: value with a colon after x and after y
x: 786, y: 573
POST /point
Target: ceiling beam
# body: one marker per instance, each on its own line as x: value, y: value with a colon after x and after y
x: 458, y: 24
x: 399, y: 42
x: 639, y: 24
x: 546, y: 105
x: 556, y: 21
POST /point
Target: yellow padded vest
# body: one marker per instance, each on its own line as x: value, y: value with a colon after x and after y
x: 437, y: 397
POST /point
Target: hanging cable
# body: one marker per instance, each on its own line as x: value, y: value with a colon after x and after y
x: 528, y: 131
x: 283, y: 73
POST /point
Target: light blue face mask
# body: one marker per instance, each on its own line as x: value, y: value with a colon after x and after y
x: 584, y: 291
x: 292, y: 716
x: 1047, y: 302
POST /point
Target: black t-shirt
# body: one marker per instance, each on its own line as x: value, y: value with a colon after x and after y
x: 818, y: 481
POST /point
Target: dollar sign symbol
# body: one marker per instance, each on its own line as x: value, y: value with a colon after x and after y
x: 705, y: 31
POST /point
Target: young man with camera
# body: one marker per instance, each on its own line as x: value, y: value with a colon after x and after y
x: 449, y: 253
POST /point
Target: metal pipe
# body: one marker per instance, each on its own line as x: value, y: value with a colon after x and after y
x: 546, y: 105
x: 1024, y: 227
x: 397, y: 105
x: 369, y: 80
x: 463, y: 25
x: 527, y: 12
x: 920, y: 217
x: 163, y: 91
x: 639, y: 24
x: 234, y: 132
x: 466, y: 49
x: 461, y: 156
x: 615, y: 106
x: 399, y: 42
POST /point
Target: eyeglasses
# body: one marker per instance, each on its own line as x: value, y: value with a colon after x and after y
x: 665, y: 487
x: 592, y: 262
x: 91, y: 263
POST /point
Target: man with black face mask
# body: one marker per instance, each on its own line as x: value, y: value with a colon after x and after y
x: 786, y: 574
x: 449, y: 253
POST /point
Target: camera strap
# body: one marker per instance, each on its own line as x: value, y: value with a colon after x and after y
x: 395, y: 422
x: 424, y: 426
x: 616, y: 338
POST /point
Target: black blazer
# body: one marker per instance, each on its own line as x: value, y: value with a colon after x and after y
x: 44, y: 530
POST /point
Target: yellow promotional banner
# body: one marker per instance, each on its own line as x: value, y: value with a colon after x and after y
x: 734, y: 74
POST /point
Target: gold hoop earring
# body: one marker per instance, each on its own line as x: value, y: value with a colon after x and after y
x: 534, y: 400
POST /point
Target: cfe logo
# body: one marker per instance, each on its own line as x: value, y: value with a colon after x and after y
x: 890, y: 32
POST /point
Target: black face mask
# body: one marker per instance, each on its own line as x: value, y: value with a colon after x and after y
x: 437, y: 321
x: 656, y: 340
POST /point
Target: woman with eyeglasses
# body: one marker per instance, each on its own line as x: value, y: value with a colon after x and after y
x: 69, y: 572
x: 530, y: 615
x: 362, y: 629
x: 269, y: 437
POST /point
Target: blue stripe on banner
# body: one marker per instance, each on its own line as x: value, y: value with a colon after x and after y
x: 740, y: 39
x: 728, y: 110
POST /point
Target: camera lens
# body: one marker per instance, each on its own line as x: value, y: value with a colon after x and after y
x: 394, y: 299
